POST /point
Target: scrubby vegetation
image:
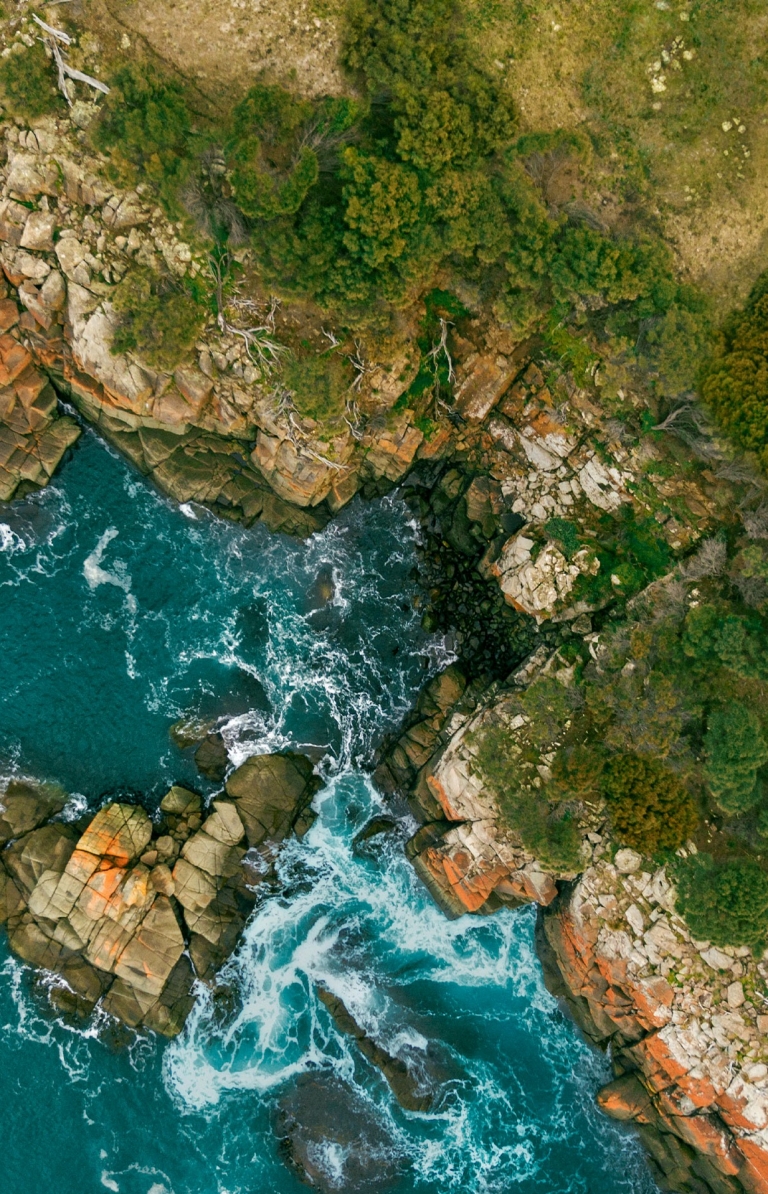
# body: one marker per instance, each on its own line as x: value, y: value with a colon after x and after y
x: 725, y: 903
x: 28, y: 82
x: 159, y: 317
x: 736, y: 384
x: 648, y: 806
x: 320, y: 385
x: 146, y: 127
x: 544, y: 817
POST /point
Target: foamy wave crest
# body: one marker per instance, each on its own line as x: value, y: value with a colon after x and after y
x: 95, y: 575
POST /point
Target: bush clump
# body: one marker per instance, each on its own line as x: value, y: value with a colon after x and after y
x: 548, y: 828
x: 649, y: 807
x: 735, y: 749
x: 145, y: 126
x: 736, y: 384
x: 159, y: 319
x: 320, y: 385
x: 28, y: 82
x: 726, y: 902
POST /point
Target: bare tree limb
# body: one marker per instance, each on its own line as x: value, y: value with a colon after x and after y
x: 59, y: 34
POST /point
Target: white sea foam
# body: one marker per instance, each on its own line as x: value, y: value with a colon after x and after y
x: 10, y: 542
x: 95, y: 575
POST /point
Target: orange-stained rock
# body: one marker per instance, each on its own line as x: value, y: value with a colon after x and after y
x: 700, y: 1091
x: 732, y: 1112
x: 14, y: 359
x: 438, y: 791
x: 709, y: 1137
x: 653, y: 998
x: 9, y: 314
x: 754, y: 1174
x: 626, y: 1098
x: 119, y: 831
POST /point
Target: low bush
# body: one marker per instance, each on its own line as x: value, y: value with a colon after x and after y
x: 547, y: 828
x: 146, y: 127
x: 649, y: 807
x: 320, y: 385
x: 735, y: 749
x: 28, y: 82
x: 735, y: 386
x: 726, y: 902
x: 159, y: 318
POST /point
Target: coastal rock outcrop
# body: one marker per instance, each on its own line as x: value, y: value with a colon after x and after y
x: 685, y: 1024
x: 207, y: 429
x: 469, y: 856
x: 128, y: 912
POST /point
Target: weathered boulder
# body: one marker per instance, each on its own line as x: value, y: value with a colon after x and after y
x: 181, y: 802
x: 148, y: 959
x: 272, y: 794
x: 25, y: 805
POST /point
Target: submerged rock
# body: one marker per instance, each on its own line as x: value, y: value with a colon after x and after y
x: 211, y: 758
x: 129, y: 913
x: 410, y: 1087
x: 333, y: 1139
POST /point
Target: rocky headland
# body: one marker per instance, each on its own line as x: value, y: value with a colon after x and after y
x: 524, y: 491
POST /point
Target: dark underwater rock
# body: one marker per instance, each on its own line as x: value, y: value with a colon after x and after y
x: 211, y: 758
x: 332, y: 1139
x: 410, y: 1088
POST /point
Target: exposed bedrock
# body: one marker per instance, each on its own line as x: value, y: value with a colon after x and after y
x: 684, y: 1021
x: 128, y: 911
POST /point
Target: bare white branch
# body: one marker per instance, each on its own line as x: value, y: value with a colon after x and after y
x: 82, y: 78
x: 59, y: 34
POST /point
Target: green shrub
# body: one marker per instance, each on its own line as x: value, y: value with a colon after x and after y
x: 145, y: 125
x: 735, y: 750
x: 566, y: 535
x: 159, y: 319
x: 548, y: 704
x: 273, y: 150
x: 725, y: 903
x: 577, y: 770
x: 547, y: 828
x: 649, y: 807
x: 320, y: 385
x: 735, y: 386
x: 28, y: 82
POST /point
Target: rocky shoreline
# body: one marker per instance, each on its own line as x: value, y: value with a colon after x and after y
x: 127, y: 912
x: 492, y: 487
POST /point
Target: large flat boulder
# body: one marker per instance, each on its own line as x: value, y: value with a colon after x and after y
x: 118, y: 831
x: 271, y: 792
x: 150, y: 956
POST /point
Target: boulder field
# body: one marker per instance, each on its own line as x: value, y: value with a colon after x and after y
x: 128, y: 912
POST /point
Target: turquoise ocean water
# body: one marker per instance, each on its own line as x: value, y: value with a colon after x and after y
x: 122, y: 612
